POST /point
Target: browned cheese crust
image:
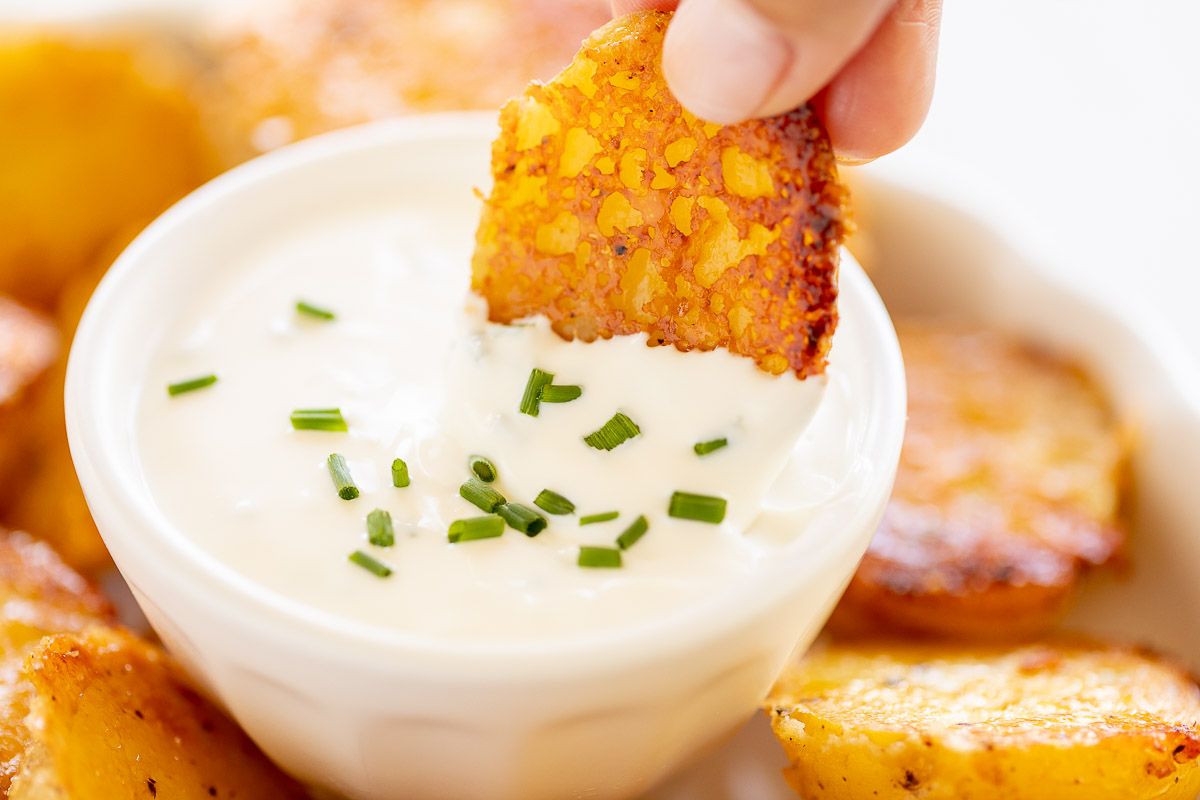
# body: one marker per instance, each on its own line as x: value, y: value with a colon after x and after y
x: 614, y: 211
x: 1056, y: 720
x: 1011, y: 483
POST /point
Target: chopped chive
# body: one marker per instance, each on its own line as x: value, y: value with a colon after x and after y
x: 538, y: 380
x: 370, y: 564
x: 472, y: 528
x: 183, y: 387
x: 400, y: 473
x: 602, y: 517
x: 553, y: 502
x: 613, y: 433
x: 522, y: 518
x: 704, y: 448
x: 314, y: 311
x: 318, y: 419
x: 634, y: 532
x: 604, y: 557
x: 483, y: 468
x: 555, y: 393
x: 700, y: 507
x: 340, y: 472
x: 380, y: 531
x: 479, y: 494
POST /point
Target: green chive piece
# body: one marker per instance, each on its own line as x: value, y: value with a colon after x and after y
x: 183, y: 387
x: 634, y: 532
x: 319, y: 419
x: 400, y: 473
x: 553, y: 502
x: 531, y: 400
x: 704, y: 448
x: 555, y: 393
x: 309, y: 309
x: 700, y: 507
x: 340, y: 472
x: 614, y: 433
x: 602, y: 557
x: 522, y: 518
x: 478, y: 493
x: 606, y: 516
x: 380, y: 531
x: 483, y: 468
x: 370, y: 564
x: 473, y: 528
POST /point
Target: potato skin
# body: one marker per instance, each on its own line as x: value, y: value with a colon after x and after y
x: 613, y: 211
x: 1064, y: 720
x: 113, y: 716
x: 1011, y: 483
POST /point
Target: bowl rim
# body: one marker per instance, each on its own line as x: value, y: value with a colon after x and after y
x: 118, y: 497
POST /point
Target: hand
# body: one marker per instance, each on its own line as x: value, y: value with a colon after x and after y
x: 866, y: 65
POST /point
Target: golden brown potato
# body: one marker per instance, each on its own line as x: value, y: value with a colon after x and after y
x: 95, y: 134
x: 613, y: 211
x: 1052, y: 721
x: 109, y: 712
x: 112, y: 716
x: 28, y: 346
x: 288, y: 71
x: 1011, y: 483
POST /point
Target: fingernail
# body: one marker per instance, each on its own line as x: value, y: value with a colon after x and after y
x: 721, y: 59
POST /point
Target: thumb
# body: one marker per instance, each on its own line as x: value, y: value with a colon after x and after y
x: 729, y: 60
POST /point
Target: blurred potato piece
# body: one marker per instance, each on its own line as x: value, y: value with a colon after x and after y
x: 1052, y: 721
x: 1011, y: 483
x: 286, y: 71
x: 113, y: 716
x: 28, y: 346
x: 614, y: 211
x: 96, y: 133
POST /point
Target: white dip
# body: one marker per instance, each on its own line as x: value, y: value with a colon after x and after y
x: 419, y: 374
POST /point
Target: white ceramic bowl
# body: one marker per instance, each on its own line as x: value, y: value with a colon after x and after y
x: 370, y: 713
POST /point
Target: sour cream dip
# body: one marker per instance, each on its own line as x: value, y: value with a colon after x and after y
x: 419, y: 374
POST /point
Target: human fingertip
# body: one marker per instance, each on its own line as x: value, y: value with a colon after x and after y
x: 722, y: 60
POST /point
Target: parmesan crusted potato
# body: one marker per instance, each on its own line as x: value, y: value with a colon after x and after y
x: 28, y: 346
x: 1053, y: 721
x: 112, y: 716
x: 285, y: 71
x: 94, y: 712
x: 1011, y: 483
x: 614, y: 211
x: 96, y: 133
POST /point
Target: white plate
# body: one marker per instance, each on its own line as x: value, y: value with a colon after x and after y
x: 948, y: 249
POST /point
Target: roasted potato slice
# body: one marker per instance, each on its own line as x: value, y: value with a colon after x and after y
x: 95, y: 712
x: 112, y: 716
x: 97, y: 132
x: 1053, y: 721
x: 285, y: 71
x: 613, y: 211
x: 1011, y: 483
x: 28, y: 346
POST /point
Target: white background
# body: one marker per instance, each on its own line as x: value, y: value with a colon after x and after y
x: 1083, y: 114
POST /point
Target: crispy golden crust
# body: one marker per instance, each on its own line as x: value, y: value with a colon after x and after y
x: 1010, y: 485
x: 1052, y: 721
x: 112, y: 716
x: 286, y: 71
x: 613, y: 212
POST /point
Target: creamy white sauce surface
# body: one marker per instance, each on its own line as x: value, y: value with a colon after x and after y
x: 419, y: 374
